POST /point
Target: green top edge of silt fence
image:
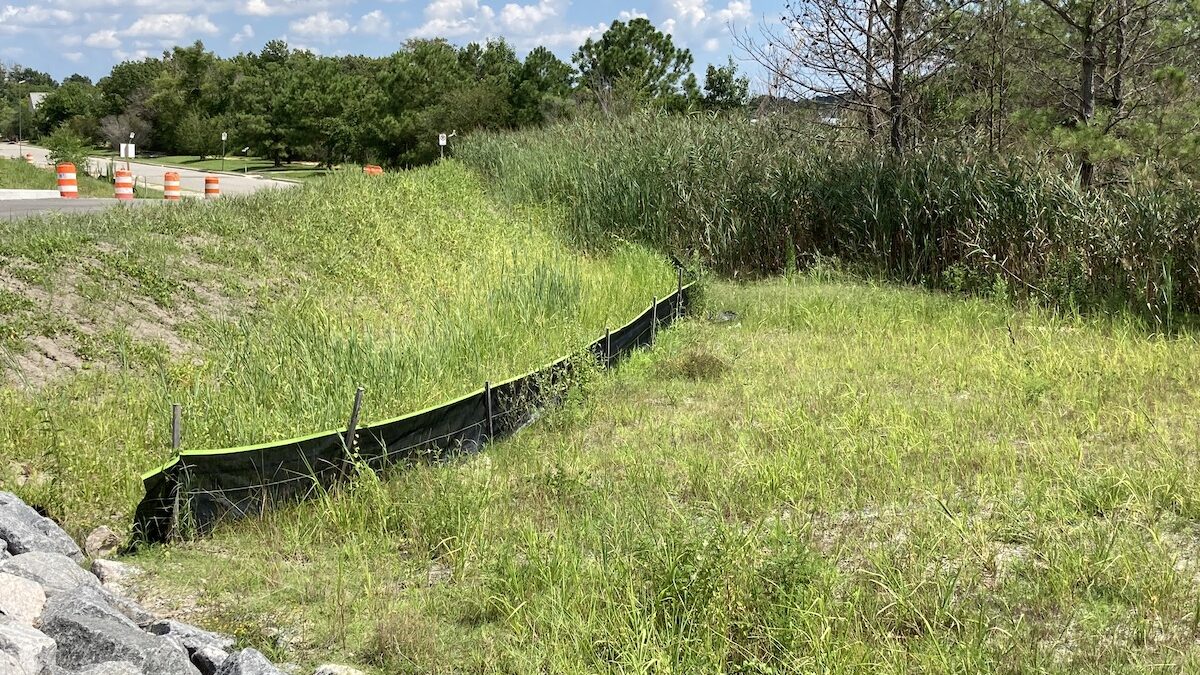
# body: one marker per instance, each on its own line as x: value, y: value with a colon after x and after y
x: 300, y: 439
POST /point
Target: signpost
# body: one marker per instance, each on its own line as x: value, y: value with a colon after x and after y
x: 224, y: 137
x: 130, y: 152
x: 246, y: 152
x: 442, y: 141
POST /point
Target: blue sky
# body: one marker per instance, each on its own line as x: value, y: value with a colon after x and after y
x: 89, y: 36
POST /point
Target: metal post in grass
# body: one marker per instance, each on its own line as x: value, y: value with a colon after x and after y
x: 654, y: 321
x: 351, y: 439
x: 607, y: 348
x: 487, y: 401
x: 176, y: 426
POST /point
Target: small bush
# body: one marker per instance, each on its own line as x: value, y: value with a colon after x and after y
x: 67, y: 146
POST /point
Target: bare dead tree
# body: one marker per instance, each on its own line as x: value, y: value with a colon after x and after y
x: 866, y: 57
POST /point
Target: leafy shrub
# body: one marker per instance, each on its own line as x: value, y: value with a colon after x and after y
x: 67, y: 146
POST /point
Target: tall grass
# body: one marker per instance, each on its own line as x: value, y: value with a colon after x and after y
x: 745, y: 196
x: 261, y: 316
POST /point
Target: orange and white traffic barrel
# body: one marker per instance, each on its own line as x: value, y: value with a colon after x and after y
x: 373, y: 170
x: 29, y: 157
x: 212, y: 187
x: 68, y: 187
x: 171, y: 190
x: 124, y: 184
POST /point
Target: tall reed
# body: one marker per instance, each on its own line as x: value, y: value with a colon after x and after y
x: 746, y: 196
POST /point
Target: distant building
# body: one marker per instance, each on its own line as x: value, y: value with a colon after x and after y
x: 36, y: 97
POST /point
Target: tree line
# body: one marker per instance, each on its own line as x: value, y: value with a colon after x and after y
x: 287, y: 104
x: 1109, y: 83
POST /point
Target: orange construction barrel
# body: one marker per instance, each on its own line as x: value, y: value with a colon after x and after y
x: 68, y: 187
x: 124, y: 184
x: 171, y: 190
x: 212, y: 187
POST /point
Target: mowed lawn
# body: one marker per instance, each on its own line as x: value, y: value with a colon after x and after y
x: 809, y: 476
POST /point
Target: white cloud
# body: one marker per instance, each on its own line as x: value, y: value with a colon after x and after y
x: 456, y: 18
x: 320, y: 26
x: 628, y: 15
x: 135, y: 55
x: 570, y: 37
x: 104, y: 39
x: 74, y: 57
x: 373, y: 23
x: 280, y: 7
x: 172, y: 26
x: 527, y: 18
x: 691, y: 12
x: 35, y: 16
x: 69, y: 40
x: 242, y: 35
x: 735, y: 11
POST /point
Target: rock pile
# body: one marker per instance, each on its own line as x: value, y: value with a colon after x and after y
x: 57, y: 618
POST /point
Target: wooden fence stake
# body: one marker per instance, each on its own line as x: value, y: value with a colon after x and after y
x: 487, y: 397
x: 176, y: 426
x: 654, y: 321
x: 351, y: 439
x: 678, y: 293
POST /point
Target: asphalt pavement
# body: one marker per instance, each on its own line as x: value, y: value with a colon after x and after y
x: 15, y: 209
x: 190, y: 180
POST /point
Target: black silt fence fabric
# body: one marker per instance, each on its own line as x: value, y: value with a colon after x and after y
x: 199, y: 489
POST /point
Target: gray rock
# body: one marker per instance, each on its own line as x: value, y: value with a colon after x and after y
x: 33, y: 651
x: 54, y: 571
x: 25, y: 530
x: 112, y: 668
x: 87, y: 639
x: 21, y: 600
x: 98, y: 602
x: 4, y: 554
x: 248, y: 662
x: 101, y: 543
x: 115, y: 575
x: 333, y: 669
x: 209, y: 659
x: 192, y: 637
x: 9, y: 663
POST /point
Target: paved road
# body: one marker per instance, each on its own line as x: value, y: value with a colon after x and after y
x: 23, y: 208
x: 190, y: 180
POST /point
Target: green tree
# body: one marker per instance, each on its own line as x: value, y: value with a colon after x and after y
x: 632, y: 62
x: 544, y: 89
x: 723, y: 88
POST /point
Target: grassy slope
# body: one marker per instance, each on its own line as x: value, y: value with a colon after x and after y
x: 847, y: 479
x: 17, y: 174
x: 261, y: 315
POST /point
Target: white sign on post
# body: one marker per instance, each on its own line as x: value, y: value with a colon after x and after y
x: 441, y: 139
x: 124, y: 150
x: 132, y: 153
x: 224, y: 136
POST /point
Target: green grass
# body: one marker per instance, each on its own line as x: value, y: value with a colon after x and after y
x: 843, y: 478
x: 18, y: 174
x: 262, y: 314
x: 238, y: 164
